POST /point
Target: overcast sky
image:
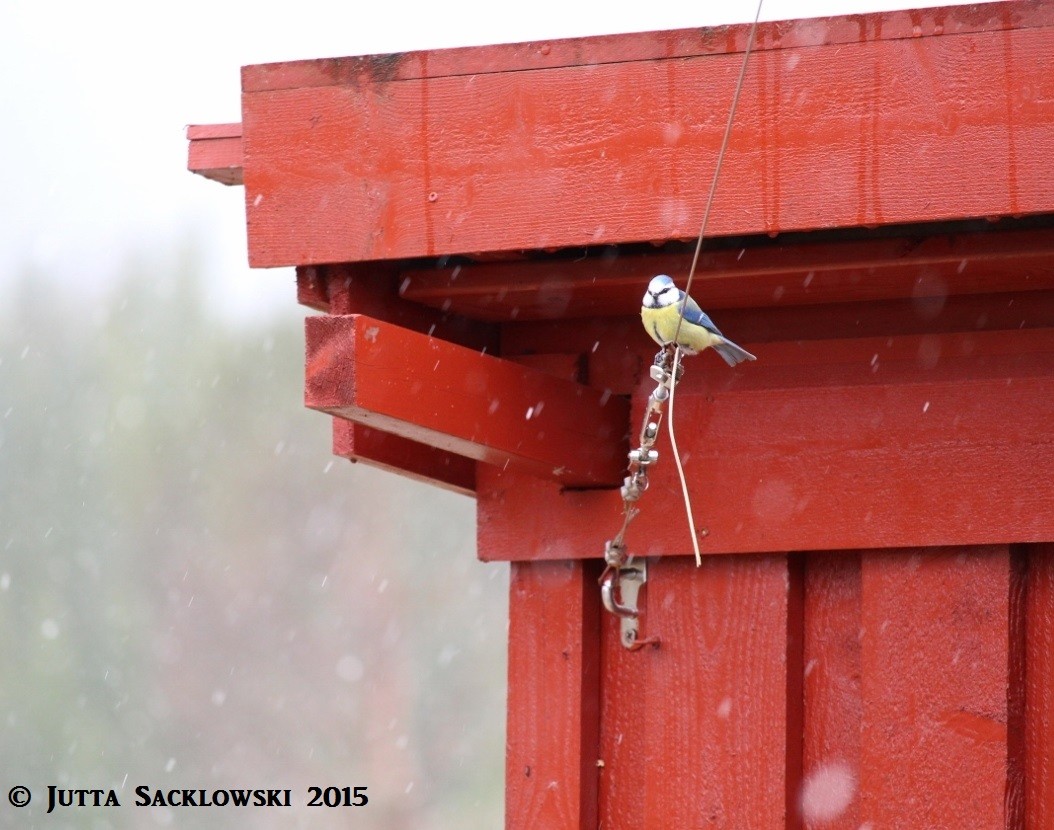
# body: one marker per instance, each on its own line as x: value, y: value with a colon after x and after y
x: 95, y: 99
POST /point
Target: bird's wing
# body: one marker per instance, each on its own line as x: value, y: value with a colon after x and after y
x: 694, y: 314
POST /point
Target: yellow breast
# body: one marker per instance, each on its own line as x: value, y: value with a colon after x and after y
x: 661, y: 325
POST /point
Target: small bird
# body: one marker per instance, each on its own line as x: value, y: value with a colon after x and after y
x: 661, y: 313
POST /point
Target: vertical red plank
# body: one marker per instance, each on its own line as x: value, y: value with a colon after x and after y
x: 935, y: 658
x: 832, y: 692
x: 794, y: 698
x: 551, y: 770
x: 1039, y: 690
x: 624, y: 678
x: 1015, y: 692
x: 695, y: 731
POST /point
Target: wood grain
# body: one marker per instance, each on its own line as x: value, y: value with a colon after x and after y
x: 694, y: 733
x: 1039, y: 691
x: 553, y: 706
x: 615, y: 347
x: 372, y: 288
x: 832, y: 674
x: 934, y: 684
x: 860, y: 133
x: 461, y: 401
x: 215, y: 152
x: 412, y: 459
x: 828, y: 445
x: 681, y: 43
x: 609, y: 283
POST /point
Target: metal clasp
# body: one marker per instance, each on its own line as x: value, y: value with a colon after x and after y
x: 619, y: 591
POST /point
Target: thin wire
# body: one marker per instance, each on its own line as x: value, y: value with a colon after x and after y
x: 630, y: 510
x: 680, y: 469
x: 720, y: 160
x: 691, y: 276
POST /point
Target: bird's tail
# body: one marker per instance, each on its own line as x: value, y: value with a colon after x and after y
x: 732, y: 353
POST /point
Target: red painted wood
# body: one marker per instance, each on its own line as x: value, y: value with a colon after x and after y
x: 205, y: 132
x: 312, y: 289
x: 794, y: 691
x: 694, y: 733
x: 929, y: 269
x: 459, y: 400
x: 826, y: 445
x: 856, y: 133
x: 624, y: 698
x: 935, y: 637
x: 602, y: 49
x: 215, y: 152
x: 1017, y: 689
x: 618, y: 348
x: 372, y: 289
x: 552, y: 737
x: 400, y: 455
x: 1039, y: 690
x: 832, y: 692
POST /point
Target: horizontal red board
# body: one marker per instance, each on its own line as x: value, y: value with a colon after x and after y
x: 679, y: 43
x: 876, y: 442
x: 215, y: 152
x: 412, y: 459
x: 845, y: 134
x: 459, y: 400
x: 605, y: 284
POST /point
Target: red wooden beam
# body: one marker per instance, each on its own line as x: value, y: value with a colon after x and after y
x: 617, y: 351
x: 378, y: 162
x: 371, y: 289
x: 749, y: 277
x: 215, y: 152
x: 825, y: 444
x: 459, y: 400
x: 403, y: 456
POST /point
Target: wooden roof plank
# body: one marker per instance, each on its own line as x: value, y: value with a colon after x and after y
x: 595, y: 50
x: 863, y: 133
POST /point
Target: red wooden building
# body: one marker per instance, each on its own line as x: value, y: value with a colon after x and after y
x: 869, y: 642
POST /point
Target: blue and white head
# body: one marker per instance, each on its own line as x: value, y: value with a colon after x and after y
x: 661, y: 292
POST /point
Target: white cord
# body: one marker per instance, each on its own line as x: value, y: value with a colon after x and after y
x: 677, y: 459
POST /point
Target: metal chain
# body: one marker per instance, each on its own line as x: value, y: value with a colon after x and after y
x: 641, y: 459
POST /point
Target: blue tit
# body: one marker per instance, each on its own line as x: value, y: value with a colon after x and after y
x: 661, y: 313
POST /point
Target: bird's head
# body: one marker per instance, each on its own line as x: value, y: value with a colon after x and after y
x: 661, y: 292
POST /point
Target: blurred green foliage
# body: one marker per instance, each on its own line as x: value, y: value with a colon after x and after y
x: 195, y: 593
